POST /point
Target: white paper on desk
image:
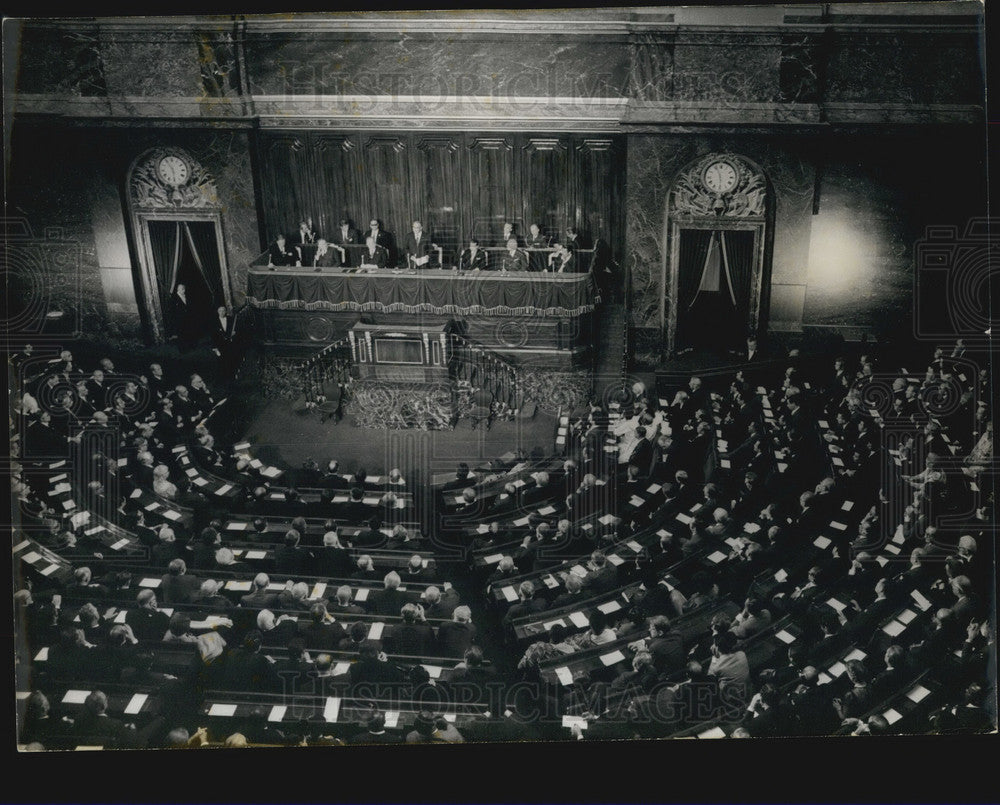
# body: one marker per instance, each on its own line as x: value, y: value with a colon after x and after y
x: 185, y: 460
x: 782, y: 466
x: 847, y: 505
x: 482, y: 528
x: 422, y: 261
x: 785, y: 637
x: 549, y: 624
x: 918, y: 694
x: 75, y: 696
x: 882, y: 560
x: 823, y: 678
x: 612, y: 658
x: 587, y: 526
x: 223, y: 489
x: 117, y: 546
x: 821, y: 542
x: 508, y: 593
x: 838, y: 669
x: 578, y: 619
x: 170, y: 514
x: 49, y: 570
x: 893, y: 628
x: 21, y: 545
x: 781, y: 575
x: 275, y: 587
x: 278, y: 712
x: 725, y: 463
x: 733, y: 543
x: 341, y: 668
x: 547, y: 510
x: 191, y: 472
x: 564, y: 676
x: 318, y: 589
x: 238, y: 586
x: 973, y: 486
x: 256, y: 463
x: 332, y: 709
x: 833, y: 449
x: 58, y: 489
x: 57, y: 478
x: 636, y: 501
x: 615, y: 559
x: 723, y: 445
x: 921, y: 601
x: 687, y: 519
x: 824, y: 424
x: 42, y: 655
x: 68, y: 504
x: 891, y: 716
x: 241, y: 446
x: 120, y: 617
x: 837, y: 605
x: 271, y: 472
x: 893, y: 549
x: 341, y: 498
x: 837, y: 462
x: 521, y: 521
x: 635, y: 546
x: 607, y: 519
x: 434, y: 671
x: 716, y: 556
x: 151, y: 506
x: 550, y: 581
x: 256, y: 554
x: 361, y: 594
x: 751, y: 528
x: 237, y: 526
x: 31, y: 557
x: 574, y: 721
x: 493, y: 558
x: 391, y: 718
x: 609, y: 606
x: 714, y: 732
x: 370, y: 501
x: 906, y: 616
x: 560, y: 440
x: 838, y: 526
x: 135, y: 704
x: 136, y: 493
x: 199, y: 481
x: 519, y: 482
x: 375, y: 632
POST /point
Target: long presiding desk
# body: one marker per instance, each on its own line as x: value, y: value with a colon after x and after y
x: 529, y: 314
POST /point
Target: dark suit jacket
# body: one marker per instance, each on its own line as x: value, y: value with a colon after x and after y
x: 421, y: 249
x: 380, y: 258
x: 259, y: 599
x: 179, y: 589
x: 453, y: 639
x: 147, y: 624
x: 466, y: 262
x: 386, y: 602
x: 414, y: 639
x: 322, y: 636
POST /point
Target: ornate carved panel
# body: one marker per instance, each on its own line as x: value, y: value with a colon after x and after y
x: 692, y: 197
x: 149, y: 191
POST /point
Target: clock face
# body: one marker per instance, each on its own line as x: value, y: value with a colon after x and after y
x: 720, y: 177
x: 173, y: 170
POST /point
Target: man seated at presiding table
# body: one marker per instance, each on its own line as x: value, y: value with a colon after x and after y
x: 326, y: 256
x: 373, y: 255
x: 513, y: 259
x: 474, y: 258
x: 280, y: 253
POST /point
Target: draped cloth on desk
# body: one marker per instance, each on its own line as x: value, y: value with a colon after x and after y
x: 432, y: 292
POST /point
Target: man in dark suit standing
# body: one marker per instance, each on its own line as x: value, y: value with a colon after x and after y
x: 345, y: 235
x: 225, y: 340
x: 536, y: 240
x: 474, y: 258
x: 374, y: 254
x: 418, y: 247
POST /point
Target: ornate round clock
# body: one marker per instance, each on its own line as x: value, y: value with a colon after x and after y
x: 720, y: 177
x: 173, y: 170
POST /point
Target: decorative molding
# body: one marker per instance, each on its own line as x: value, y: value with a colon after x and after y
x: 148, y: 192
x: 491, y: 144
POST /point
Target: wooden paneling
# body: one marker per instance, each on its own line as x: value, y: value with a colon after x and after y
x: 460, y: 185
x: 438, y: 171
x: 493, y: 188
x: 288, y: 183
x: 546, y: 185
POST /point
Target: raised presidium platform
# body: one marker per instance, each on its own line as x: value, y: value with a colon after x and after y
x: 526, y: 317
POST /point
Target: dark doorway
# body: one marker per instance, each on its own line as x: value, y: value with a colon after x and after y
x: 185, y: 253
x: 713, y: 294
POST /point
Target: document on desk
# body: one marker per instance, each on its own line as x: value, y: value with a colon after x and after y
x: 117, y: 546
x: 237, y: 526
x: 822, y: 542
x: 687, y: 519
x: 564, y: 676
x: 892, y: 716
x: 856, y: 654
x: 893, y: 628
x: 785, y: 637
x: 636, y: 501
x: 170, y: 514
x: 578, y: 619
x: 332, y: 709
x: 391, y: 719
x: 151, y: 506
x: 319, y: 588
x: 256, y: 554
x: 135, y: 704
x: 31, y: 557
x: 918, y: 694
x: 434, y: 671
x: 42, y: 655
x: 508, y: 593
x: 341, y: 668
x: 223, y: 489
x: 75, y: 696
x: 361, y: 594
x: 607, y: 519
x: 838, y: 669
x: 837, y: 605
x: 615, y: 559
x: 68, y: 504
x: 609, y: 606
x: 574, y: 721
x: 612, y: 658
x: 277, y: 713
x: 781, y: 576
x: 716, y: 557
x: 906, y: 616
x: 920, y: 600
x: 375, y: 632
x: 238, y: 586
x: 713, y: 732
